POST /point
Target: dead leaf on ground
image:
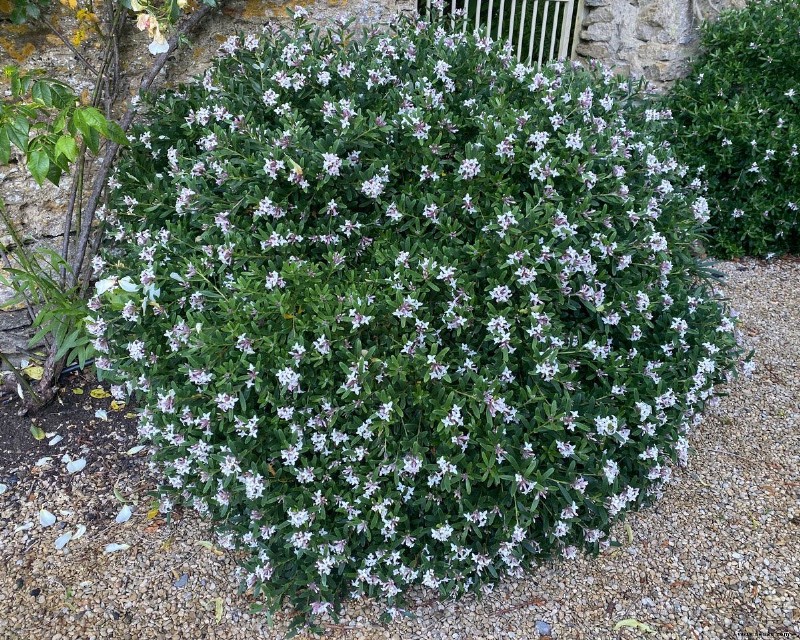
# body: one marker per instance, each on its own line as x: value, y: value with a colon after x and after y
x: 34, y: 372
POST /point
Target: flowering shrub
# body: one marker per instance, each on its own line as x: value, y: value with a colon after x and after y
x: 738, y: 115
x: 402, y: 311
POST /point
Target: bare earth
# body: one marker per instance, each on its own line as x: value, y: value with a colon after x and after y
x: 717, y: 557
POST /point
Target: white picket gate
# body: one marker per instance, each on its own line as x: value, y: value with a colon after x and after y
x: 539, y: 30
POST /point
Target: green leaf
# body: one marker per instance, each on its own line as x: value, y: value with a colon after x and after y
x: 38, y: 165
x: 90, y: 135
x: 5, y: 146
x: 68, y: 343
x: 67, y: 147
x: 32, y: 11
x: 83, y: 354
x: 41, y: 92
x: 94, y: 119
x: 60, y: 123
x: 13, y: 73
x: 18, y: 130
x: 54, y: 174
x: 116, y: 134
x: 92, y: 140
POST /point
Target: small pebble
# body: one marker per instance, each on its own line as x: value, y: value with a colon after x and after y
x: 181, y: 582
x: 543, y: 628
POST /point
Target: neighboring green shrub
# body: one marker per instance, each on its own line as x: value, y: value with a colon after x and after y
x: 738, y: 115
x: 400, y: 311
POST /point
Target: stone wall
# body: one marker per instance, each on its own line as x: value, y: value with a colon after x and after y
x: 37, y: 212
x: 653, y: 39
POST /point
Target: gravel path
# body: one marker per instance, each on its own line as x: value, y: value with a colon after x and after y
x: 717, y: 557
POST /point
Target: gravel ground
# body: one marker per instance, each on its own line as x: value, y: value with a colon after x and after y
x: 717, y: 557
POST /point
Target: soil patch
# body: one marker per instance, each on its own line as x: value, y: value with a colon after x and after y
x: 72, y: 416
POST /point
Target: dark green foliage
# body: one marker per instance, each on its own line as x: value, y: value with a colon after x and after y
x: 401, y: 311
x: 738, y: 115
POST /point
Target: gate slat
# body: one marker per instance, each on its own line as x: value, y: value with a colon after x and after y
x: 521, y: 35
x: 543, y: 33
x: 511, y: 22
x: 533, y: 31
x: 555, y: 29
x: 555, y: 34
x: 566, y: 29
x: 500, y: 20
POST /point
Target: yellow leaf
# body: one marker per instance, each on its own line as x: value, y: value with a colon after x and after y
x: 130, y: 415
x: 37, y: 432
x: 151, y: 515
x: 218, y: 609
x: 629, y: 531
x: 634, y: 624
x: 99, y: 393
x: 78, y: 392
x: 34, y: 372
x: 72, y: 4
x: 116, y: 405
x: 288, y: 316
x: 210, y: 546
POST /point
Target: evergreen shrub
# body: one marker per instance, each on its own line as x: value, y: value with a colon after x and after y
x: 737, y: 115
x: 400, y: 310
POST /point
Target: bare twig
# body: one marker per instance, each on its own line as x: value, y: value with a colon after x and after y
x: 534, y: 602
x: 111, y: 150
x: 116, y: 22
x: 75, y: 188
x: 70, y: 46
x: 98, y: 238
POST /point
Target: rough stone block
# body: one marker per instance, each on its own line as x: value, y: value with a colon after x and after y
x: 598, y: 32
x: 654, y: 51
x: 601, y: 14
x: 659, y: 17
x: 593, y: 51
x: 10, y: 320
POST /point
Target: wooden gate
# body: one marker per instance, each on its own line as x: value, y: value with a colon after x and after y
x: 539, y: 30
